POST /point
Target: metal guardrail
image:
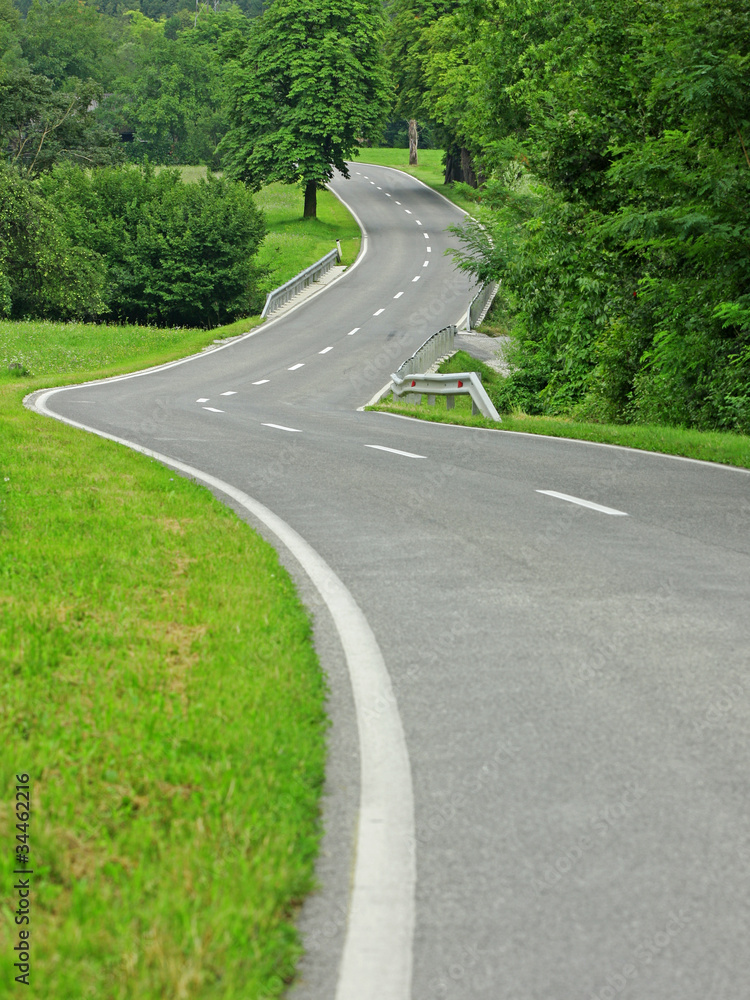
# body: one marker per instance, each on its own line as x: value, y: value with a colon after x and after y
x: 480, y: 304
x: 450, y: 386
x: 434, y: 347
x: 279, y: 296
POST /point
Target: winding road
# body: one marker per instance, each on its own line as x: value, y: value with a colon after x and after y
x: 538, y: 651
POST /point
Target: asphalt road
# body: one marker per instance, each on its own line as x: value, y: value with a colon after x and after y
x: 571, y: 682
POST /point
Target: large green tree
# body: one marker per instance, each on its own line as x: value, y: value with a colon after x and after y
x: 309, y: 88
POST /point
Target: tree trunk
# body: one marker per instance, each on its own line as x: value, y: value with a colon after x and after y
x: 413, y: 143
x: 311, y: 200
x: 453, y: 166
x: 467, y: 168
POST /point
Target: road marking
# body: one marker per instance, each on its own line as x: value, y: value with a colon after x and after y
x: 378, y: 312
x: 359, y: 172
x: 380, y: 189
x: 231, y: 392
x: 262, y: 381
x: 584, y: 503
x: 387, y: 195
x: 429, y: 249
x: 280, y: 427
x: 352, y: 332
x: 325, y: 350
x: 212, y: 409
x: 418, y: 222
x: 203, y: 399
x: 398, y: 202
x: 426, y: 236
x: 425, y: 263
x: 398, y: 295
x: 295, y: 367
x: 415, y: 279
x: 394, y: 451
x: 366, y: 177
x: 377, y: 955
x: 373, y: 183
x: 407, y: 211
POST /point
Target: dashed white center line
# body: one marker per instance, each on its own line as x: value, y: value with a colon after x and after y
x: 378, y: 312
x: 231, y: 392
x: 295, y: 367
x: 212, y: 409
x: 418, y: 222
x: 425, y: 263
x: 325, y: 350
x: 398, y: 295
x: 398, y: 202
x: 387, y: 195
x: 429, y: 249
x: 426, y: 235
x: 394, y: 451
x: 280, y: 427
x: 584, y: 503
x: 262, y: 381
x: 415, y: 279
x: 203, y: 399
x: 352, y: 332
x: 373, y: 183
x: 359, y: 172
x: 380, y: 189
x: 407, y: 211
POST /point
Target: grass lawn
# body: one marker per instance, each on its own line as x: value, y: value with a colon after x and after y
x: 160, y: 687
x: 709, y: 446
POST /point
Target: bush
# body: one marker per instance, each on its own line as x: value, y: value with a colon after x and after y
x: 176, y: 253
x: 42, y: 272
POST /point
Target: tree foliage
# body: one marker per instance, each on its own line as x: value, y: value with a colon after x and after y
x: 310, y: 86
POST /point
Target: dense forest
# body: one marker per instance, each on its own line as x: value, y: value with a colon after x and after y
x: 604, y: 143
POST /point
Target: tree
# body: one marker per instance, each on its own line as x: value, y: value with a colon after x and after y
x: 309, y: 88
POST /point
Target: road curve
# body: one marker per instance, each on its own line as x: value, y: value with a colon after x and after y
x: 565, y: 627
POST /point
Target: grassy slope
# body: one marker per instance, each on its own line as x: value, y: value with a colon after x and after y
x: 731, y: 449
x: 159, y: 684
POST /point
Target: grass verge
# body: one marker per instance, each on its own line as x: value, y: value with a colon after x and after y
x: 708, y: 446
x: 160, y: 686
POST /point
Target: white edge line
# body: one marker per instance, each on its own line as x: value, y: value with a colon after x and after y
x: 377, y: 953
x: 584, y: 503
x: 377, y: 397
x: 551, y: 437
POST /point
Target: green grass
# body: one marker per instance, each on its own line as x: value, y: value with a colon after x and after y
x: 709, y: 446
x: 293, y: 243
x: 160, y: 685
x: 430, y: 171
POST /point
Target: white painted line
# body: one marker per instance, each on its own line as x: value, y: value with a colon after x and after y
x: 203, y: 399
x: 280, y: 427
x: 378, y: 312
x: 387, y: 195
x: 380, y: 189
x: 352, y: 332
x: 584, y: 503
x: 373, y: 183
x: 429, y: 249
x: 426, y: 236
x: 398, y: 295
x: 262, y: 381
x: 425, y: 263
x: 325, y: 350
x: 212, y: 409
x: 295, y: 367
x: 394, y: 451
x: 231, y: 392
x: 366, y: 177
x: 418, y: 222
x: 359, y: 172
x: 398, y: 202
x: 377, y: 956
x: 415, y: 279
x: 407, y: 211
